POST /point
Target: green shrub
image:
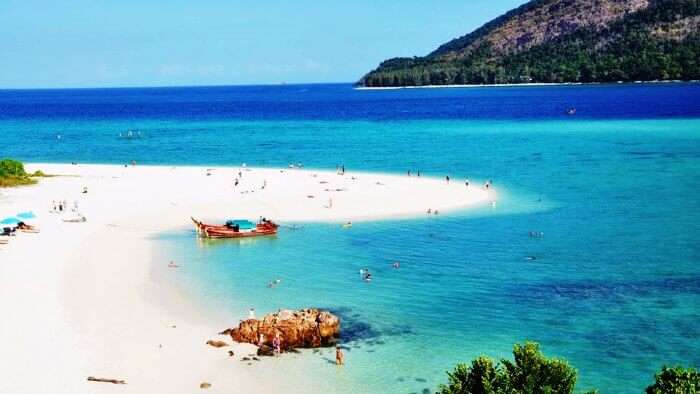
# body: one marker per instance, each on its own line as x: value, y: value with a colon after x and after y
x: 12, y: 173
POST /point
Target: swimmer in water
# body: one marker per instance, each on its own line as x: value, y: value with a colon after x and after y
x: 396, y: 265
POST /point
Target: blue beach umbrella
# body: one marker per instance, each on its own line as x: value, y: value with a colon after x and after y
x: 26, y: 215
x: 10, y: 220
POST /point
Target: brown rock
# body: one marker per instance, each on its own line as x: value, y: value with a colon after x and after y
x: 217, y: 344
x: 307, y: 328
x: 265, y: 350
x: 204, y: 385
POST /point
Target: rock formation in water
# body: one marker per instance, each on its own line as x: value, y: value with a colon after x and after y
x: 306, y: 328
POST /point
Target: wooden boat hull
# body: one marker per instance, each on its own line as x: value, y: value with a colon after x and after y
x: 219, y: 231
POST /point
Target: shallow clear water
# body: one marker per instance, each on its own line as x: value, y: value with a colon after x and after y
x: 614, y: 288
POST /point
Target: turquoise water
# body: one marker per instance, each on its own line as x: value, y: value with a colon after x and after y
x: 614, y: 288
x: 615, y: 285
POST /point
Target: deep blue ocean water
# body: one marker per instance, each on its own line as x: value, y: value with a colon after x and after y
x: 614, y: 288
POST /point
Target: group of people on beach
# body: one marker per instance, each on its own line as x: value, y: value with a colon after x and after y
x: 276, y: 342
x: 62, y: 206
x: 487, y: 184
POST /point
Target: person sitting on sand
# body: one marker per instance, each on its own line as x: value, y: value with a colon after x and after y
x: 339, y: 356
x: 25, y: 226
x: 172, y: 264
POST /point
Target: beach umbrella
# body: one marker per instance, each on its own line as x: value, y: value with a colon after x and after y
x: 26, y: 215
x: 10, y: 220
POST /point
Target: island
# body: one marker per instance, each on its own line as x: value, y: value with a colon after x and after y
x: 562, y: 41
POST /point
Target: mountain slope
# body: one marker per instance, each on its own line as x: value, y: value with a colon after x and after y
x: 563, y: 41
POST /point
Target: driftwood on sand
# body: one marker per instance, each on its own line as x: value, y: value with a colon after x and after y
x: 103, y: 380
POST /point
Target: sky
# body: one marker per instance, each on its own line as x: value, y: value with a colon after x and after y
x: 120, y: 43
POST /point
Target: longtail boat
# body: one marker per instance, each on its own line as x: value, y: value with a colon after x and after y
x: 236, y: 229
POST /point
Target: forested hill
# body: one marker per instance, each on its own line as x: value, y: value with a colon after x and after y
x: 558, y: 41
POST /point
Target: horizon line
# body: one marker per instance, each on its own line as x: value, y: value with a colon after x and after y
x: 182, y: 86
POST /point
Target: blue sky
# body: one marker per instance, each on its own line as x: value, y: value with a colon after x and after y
x: 101, y: 43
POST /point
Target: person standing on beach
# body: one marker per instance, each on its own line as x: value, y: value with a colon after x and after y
x: 447, y: 178
x: 339, y: 356
x: 277, y: 344
x: 466, y: 183
x: 251, y: 314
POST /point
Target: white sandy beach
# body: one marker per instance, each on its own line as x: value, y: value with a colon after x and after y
x: 79, y: 299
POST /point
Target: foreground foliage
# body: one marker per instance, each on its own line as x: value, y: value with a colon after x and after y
x: 531, y: 372
x: 675, y: 380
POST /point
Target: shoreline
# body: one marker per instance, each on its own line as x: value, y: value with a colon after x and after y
x: 86, y: 299
x: 533, y: 84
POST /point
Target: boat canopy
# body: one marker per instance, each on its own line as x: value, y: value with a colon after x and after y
x: 242, y: 224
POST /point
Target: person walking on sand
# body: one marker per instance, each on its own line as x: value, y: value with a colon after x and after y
x: 339, y: 356
x: 261, y: 340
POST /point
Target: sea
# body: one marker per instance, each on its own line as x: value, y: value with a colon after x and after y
x: 593, y: 250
